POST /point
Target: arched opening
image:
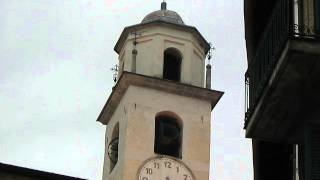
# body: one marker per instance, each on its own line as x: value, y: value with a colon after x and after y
x: 168, y: 136
x: 172, y: 64
x: 113, y: 147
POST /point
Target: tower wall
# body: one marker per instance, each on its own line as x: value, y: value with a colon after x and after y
x: 136, y: 113
x: 120, y: 116
x: 152, y: 43
x: 160, y: 103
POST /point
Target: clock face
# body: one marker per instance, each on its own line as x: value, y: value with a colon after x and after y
x: 164, y: 168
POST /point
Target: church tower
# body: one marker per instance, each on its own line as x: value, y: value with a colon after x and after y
x: 158, y: 115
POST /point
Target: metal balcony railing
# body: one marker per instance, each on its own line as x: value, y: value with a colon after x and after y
x: 280, y: 28
x: 285, y: 23
x: 269, y: 48
x: 309, y: 32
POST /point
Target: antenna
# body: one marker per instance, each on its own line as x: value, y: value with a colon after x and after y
x: 115, y: 70
x: 134, y: 51
x: 136, y: 34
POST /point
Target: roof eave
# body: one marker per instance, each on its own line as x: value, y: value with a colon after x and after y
x: 131, y: 79
x: 127, y: 29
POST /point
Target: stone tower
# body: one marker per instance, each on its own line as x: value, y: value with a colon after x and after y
x: 159, y: 113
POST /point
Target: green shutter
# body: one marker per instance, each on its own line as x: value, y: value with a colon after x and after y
x: 301, y: 161
x: 317, y: 15
x: 315, y: 152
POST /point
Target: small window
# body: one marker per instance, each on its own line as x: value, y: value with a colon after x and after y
x: 113, y: 147
x: 172, y: 64
x: 168, y: 136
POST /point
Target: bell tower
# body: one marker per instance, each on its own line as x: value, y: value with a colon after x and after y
x: 158, y: 115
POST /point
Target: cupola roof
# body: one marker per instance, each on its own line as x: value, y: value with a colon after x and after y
x: 165, y: 18
x: 163, y: 15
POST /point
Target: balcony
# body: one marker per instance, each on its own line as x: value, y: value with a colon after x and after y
x: 289, y: 41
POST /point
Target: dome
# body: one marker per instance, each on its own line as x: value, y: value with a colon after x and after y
x: 163, y: 15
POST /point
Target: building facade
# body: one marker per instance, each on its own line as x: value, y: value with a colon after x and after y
x: 159, y: 113
x: 10, y: 172
x: 282, y: 88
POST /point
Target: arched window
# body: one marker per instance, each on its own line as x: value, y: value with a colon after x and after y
x: 113, y: 147
x: 168, y: 135
x: 172, y: 64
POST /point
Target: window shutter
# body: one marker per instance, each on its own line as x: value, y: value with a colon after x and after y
x: 301, y: 161
x: 315, y: 152
x: 317, y: 15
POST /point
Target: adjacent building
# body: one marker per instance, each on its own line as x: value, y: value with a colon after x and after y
x: 10, y: 172
x: 282, y: 88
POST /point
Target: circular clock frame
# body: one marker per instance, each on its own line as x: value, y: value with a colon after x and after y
x: 166, y: 157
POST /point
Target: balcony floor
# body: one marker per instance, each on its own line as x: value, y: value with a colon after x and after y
x: 292, y: 96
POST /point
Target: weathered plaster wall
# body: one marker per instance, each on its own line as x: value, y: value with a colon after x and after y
x: 154, y: 40
x: 136, y: 114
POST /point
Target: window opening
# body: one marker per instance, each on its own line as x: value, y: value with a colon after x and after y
x: 172, y: 64
x: 168, y: 136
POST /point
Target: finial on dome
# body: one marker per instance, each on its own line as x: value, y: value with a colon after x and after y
x: 164, y: 6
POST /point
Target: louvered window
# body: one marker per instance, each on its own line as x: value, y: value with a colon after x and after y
x: 301, y: 160
x: 315, y: 152
x: 317, y: 15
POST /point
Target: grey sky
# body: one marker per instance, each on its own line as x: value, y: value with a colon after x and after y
x: 55, y: 60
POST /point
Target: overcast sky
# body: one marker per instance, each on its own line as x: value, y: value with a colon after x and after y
x: 55, y: 60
